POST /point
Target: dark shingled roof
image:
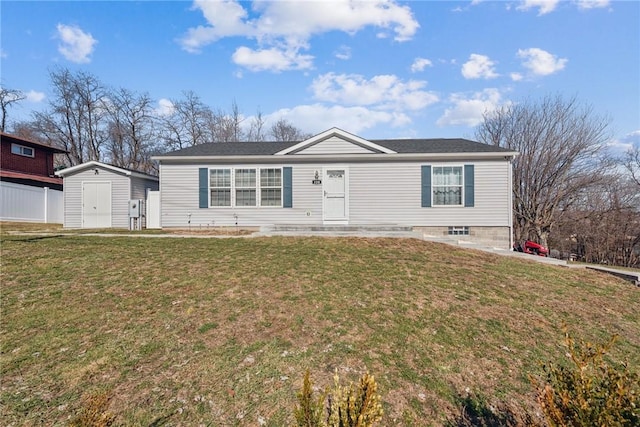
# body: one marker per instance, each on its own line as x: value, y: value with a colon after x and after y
x: 439, y: 145
x: 232, y: 149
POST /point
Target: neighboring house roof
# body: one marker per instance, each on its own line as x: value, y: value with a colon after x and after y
x: 30, y: 176
x: 29, y: 143
x: 96, y: 164
x: 391, y: 147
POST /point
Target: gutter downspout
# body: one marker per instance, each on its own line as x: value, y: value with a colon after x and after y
x: 510, y: 180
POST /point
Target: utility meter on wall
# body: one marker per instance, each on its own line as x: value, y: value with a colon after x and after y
x: 134, y: 208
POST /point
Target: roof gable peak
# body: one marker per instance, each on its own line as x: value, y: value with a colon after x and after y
x: 331, y: 133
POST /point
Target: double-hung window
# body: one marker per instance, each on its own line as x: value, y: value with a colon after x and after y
x: 240, y: 187
x: 245, y: 183
x: 220, y: 186
x: 271, y: 187
x: 447, y: 185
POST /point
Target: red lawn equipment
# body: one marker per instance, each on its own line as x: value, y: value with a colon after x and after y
x: 531, y: 247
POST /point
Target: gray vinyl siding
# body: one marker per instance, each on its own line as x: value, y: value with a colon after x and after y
x: 139, y: 187
x: 335, y: 145
x: 379, y: 193
x: 180, y: 200
x: 391, y: 193
x: 120, y: 195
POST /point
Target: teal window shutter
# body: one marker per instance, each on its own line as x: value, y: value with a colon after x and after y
x: 287, y: 187
x: 469, y: 198
x: 203, y: 175
x: 426, y: 186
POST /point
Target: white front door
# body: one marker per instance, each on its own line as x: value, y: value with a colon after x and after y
x: 96, y: 204
x: 335, y: 206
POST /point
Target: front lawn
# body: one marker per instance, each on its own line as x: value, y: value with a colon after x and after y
x: 220, y: 331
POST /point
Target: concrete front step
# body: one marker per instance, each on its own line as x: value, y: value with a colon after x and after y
x: 364, y: 230
x: 338, y: 228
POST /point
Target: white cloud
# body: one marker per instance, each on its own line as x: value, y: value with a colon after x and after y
x: 34, y: 96
x: 516, y: 77
x: 544, y: 6
x: 592, y: 4
x: 3, y: 54
x: 316, y: 118
x: 165, y: 107
x: 75, y: 44
x: 289, y: 25
x: 468, y: 111
x: 479, y: 67
x: 419, y: 64
x: 225, y: 18
x: 619, y: 146
x: 273, y: 59
x: 541, y: 62
x: 383, y: 91
x: 344, y: 53
x: 633, y: 139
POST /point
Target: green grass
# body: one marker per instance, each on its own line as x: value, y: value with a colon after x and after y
x: 220, y: 331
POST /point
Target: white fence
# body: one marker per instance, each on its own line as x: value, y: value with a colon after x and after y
x: 153, y: 209
x: 30, y: 204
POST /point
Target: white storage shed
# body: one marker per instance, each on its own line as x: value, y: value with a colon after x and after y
x: 99, y: 195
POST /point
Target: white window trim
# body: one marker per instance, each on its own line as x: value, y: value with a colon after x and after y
x: 21, y: 150
x: 255, y: 187
x: 233, y: 188
x: 259, y: 188
x: 433, y: 199
x: 209, y: 188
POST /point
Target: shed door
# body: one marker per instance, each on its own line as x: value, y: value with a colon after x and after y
x: 96, y: 204
x: 335, y: 203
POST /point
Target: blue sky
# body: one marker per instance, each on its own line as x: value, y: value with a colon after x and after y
x: 378, y: 68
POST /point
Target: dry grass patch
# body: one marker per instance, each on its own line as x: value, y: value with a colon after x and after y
x: 220, y: 332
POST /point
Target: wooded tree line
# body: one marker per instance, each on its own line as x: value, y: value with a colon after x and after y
x: 94, y: 121
x: 569, y: 193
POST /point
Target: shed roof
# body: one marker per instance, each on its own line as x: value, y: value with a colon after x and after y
x: 95, y: 164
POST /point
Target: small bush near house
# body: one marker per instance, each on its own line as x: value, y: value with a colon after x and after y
x: 591, y: 391
x: 351, y: 406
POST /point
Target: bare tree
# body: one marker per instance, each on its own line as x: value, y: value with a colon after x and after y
x: 7, y: 98
x: 603, y: 226
x: 227, y: 127
x: 131, y: 130
x: 632, y: 163
x: 558, y: 141
x: 283, y: 131
x: 256, y: 128
x: 76, y: 116
x: 188, y: 124
x: 27, y: 130
x: 235, y: 120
